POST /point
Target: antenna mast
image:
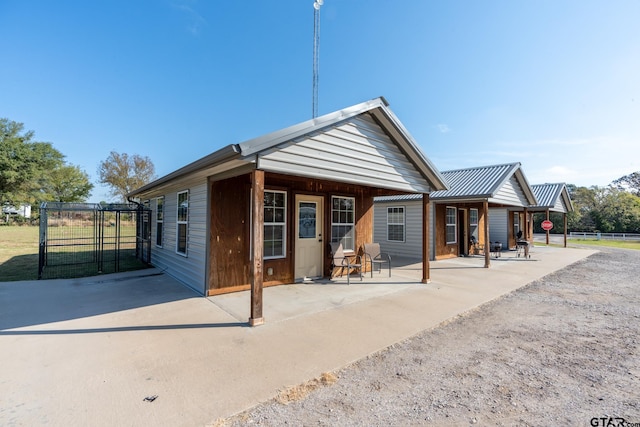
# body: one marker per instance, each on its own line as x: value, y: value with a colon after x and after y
x: 316, y: 51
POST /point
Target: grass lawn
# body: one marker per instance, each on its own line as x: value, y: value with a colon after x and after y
x: 18, y: 253
x: 19, y: 247
x: 622, y: 244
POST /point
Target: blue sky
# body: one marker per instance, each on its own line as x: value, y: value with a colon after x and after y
x: 553, y: 84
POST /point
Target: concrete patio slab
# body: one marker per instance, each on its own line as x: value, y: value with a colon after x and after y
x: 90, y: 351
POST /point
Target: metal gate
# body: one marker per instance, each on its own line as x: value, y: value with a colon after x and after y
x: 87, y: 239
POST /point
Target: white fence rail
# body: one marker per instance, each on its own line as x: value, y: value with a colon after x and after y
x: 603, y: 236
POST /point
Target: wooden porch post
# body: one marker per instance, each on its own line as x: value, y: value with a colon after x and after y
x: 487, y: 243
x: 547, y: 230
x: 257, y: 211
x: 564, y: 217
x: 525, y: 233
x: 426, y: 274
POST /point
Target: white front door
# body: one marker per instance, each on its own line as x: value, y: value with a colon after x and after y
x: 309, y: 239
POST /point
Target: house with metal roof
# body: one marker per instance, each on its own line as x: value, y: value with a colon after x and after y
x: 553, y: 198
x: 482, y: 204
x: 264, y: 212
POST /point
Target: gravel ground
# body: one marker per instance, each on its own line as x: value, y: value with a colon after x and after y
x: 560, y: 351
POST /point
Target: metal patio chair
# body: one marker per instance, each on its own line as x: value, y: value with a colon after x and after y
x: 342, y: 261
x: 374, y: 256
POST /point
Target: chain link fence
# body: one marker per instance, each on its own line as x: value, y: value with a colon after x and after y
x: 87, y: 239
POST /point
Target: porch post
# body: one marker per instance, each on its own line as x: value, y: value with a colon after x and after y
x: 564, y: 217
x: 547, y: 230
x: 525, y: 233
x: 257, y: 211
x: 426, y: 274
x: 487, y: 243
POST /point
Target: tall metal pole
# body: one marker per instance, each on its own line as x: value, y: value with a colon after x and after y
x: 316, y: 51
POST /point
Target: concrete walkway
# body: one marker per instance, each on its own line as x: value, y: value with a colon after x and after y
x: 89, y: 351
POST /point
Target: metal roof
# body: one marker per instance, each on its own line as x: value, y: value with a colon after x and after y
x: 477, y: 183
x: 236, y: 155
x: 548, y: 196
x: 399, y: 198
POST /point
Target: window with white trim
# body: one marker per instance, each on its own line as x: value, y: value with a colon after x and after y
x: 182, y: 222
x: 473, y: 223
x: 343, y: 221
x: 451, y: 225
x: 146, y: 231
x: 275, y: 224
x: 395, y: 223
x: 159, y: 220
x: 516, y: 224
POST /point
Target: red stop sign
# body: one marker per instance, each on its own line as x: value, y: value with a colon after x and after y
x: 546, y: 225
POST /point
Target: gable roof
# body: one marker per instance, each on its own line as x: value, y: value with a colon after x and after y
x: 554, y: 197
x: 365, y: 144
x: 501, y: 184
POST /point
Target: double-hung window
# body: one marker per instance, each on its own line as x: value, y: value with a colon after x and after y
x: 473, y: 223
x: 395, y: 224
x: 451, y: 225
x: 275, y: 224
x: 182, y: 222
x: 159, y: 220
x: 343, y: 222
x: 146, y: 231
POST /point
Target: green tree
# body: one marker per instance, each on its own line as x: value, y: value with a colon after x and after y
x: 584, y: 204
x: 124, y: 173
x: 619, y: 212
x: 629, y: 182
x: 604, y: 209
x: 24, y: 163
x: 68, y: 183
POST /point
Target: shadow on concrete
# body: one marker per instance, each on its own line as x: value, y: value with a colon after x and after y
x: 38, y: 302
x: 125, y: 329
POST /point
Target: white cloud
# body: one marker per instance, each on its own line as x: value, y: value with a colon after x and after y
x: 195, y: 20
x: 443, y: 128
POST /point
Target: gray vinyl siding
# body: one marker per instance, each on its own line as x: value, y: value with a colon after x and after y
x: 354, y: 149
x: 560, y: 206
x: 510, y: 193
x: 412, y: 246
x: 499, y: 226
x: 189, y: 269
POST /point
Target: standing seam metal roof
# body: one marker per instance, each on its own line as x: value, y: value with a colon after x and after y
x: 547, y: 195
x: 480, y: 182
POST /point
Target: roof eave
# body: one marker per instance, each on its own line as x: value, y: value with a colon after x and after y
x: 222, y: 155
x: 378, y: 108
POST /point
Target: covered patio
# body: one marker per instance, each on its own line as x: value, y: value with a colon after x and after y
x: 266, y: 211
x: 461, y: 276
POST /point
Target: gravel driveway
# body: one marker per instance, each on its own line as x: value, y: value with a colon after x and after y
x: 560, y: 351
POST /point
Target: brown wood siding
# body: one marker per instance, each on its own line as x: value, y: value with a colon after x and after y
x: 510, y: 233
x: 229, y: 264
x: 482, y: 220
x: 230, y: 227
x: 444, y: 250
